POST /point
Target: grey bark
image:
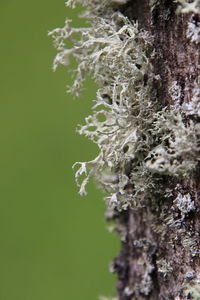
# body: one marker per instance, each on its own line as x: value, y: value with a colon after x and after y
x: 160, y: 256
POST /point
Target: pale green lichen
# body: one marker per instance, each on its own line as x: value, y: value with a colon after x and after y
x: 175, y: 93
x: 192, y: 108
x: 177, y: 153
x: 136, y: 138
x: 116, y: 53
x: 164, y: 267
x: 188, y: 6
x: 146, y: 284
x: 153, y: 4
x: 190, y: 243
x: 185, y: 204
x: 193, y: 31
x: 192, y: 291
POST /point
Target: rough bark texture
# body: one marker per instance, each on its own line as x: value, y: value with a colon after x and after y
x: 160, y: 256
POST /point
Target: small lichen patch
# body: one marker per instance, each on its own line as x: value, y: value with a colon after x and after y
x: 191, y: 245
x: 193, y: 31
x: 146, y: 284
x: 177, y: 153
x: 188, y: 6
x: 192, y: 291
x: 128, y: 291
x: 153, y: 4
x: 184, y: 203
x: 192, y: 108
x: 164, y: 267
x: 175, y: 93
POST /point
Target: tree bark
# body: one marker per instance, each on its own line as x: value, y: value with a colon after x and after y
x: 159, y: 257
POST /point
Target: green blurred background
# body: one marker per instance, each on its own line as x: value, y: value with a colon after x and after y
x: 54, y: 244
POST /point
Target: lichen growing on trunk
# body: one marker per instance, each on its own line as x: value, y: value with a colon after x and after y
x: 148, y: 145
x: 136, y: 137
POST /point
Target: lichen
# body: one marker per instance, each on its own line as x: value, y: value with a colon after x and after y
x: 185, y: 204
x: 153, y: 4
x: 192, y: 291
x: 175, y: 93
x: 193, y: 31
x: 128, y: 291
x: 188, y: 6
x: 164, y: 267
x: 190, y: 243
x: 146, y: 284
x: 192, y: 108
x: 177, y: 153
x: 137, y: 139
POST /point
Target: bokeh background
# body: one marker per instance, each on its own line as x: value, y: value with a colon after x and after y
x: 54, y: 244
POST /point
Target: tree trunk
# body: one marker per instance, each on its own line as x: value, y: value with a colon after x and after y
x: 159, y: 256
x: 150, y: 135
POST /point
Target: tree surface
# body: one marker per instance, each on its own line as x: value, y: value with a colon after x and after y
x: 160, y: 256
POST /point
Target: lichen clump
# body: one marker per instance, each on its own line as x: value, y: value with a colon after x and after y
x: 192, y: 291
x: 136, y: 138
x: 188, y: 6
